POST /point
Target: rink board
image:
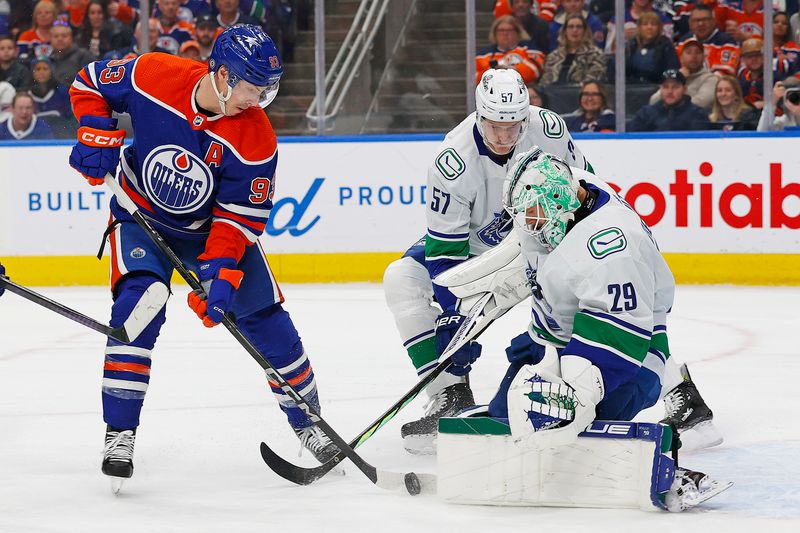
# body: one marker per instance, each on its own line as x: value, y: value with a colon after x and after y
x: 725, y: 208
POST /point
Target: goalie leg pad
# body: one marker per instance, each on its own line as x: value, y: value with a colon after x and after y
x: 126, y: 372
x: 409, y: 295
x: 272, y: 331
x: 611, y: 465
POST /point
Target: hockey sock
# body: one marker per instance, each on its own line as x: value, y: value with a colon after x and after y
x: 422, y: 351
x: 274, y: 334
x: 126, y: 372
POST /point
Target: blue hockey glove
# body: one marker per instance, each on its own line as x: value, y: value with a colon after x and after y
x: 221, y: 280
x: 446, y: 326
x: 97, y: 151
x: 523, y: 349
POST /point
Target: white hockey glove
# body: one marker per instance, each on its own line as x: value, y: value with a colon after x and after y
x: 546, y: 410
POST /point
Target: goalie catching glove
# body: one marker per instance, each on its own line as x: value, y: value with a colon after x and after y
x: 547, y: 411
x: 97, y: 151
x: 220, y: 280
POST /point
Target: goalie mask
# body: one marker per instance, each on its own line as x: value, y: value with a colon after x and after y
x: 501, y: 109
x: 541, y: 195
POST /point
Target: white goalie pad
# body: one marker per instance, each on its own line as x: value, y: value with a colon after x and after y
x: 501, y: 271
x: 611, y: 465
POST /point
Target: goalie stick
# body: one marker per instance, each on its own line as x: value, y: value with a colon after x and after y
x: 384, y: 480
x: 473, y: 326
x: 115, y: 333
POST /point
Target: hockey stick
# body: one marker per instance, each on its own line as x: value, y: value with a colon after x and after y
x: 472, y: 327
x: 115, y: 333
x: 385, y: 480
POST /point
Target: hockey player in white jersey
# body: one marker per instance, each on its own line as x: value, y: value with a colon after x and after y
x: 464, y: 218
x: 601, y: 294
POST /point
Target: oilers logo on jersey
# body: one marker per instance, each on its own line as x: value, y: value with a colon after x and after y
x: 176, y: 180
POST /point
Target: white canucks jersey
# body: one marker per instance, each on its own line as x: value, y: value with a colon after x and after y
x: 465, y: 185
x: 604, y: 292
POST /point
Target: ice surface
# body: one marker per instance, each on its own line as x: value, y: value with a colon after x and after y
x: 197, y: 462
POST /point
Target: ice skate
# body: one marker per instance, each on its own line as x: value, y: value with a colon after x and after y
x: 419, y: 437
x: 690, y: 488
x: 314, y: 440
x: 691, y: 417
x: 118, y: 456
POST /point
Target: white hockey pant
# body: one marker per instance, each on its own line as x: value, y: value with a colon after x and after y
x: 409, y: 295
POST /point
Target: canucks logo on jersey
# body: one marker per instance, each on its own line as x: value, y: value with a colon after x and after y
x: 496, y: 230
x: 176, y: 180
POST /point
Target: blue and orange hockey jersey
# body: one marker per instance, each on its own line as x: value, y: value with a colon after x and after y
x: 186, y: 170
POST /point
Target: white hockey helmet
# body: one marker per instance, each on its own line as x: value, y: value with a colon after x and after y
x: 541, y: 195
x: 502, y: 99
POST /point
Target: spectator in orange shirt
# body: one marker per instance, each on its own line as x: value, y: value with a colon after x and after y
x: 38, y: 37
x: 743, y: 19
x: 510, y: 48
x: 721, y: 51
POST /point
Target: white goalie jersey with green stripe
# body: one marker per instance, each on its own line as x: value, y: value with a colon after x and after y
x: 604, y: 292
x: 465, y: 185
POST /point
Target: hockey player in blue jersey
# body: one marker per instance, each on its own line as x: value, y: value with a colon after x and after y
x: 202, y: 167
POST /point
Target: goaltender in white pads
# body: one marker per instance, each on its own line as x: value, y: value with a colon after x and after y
x: 601, y: 293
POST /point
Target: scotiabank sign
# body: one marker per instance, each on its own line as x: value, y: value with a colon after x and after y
x: 708, y: 195
x: 681, y: 190
x: 700, y: 195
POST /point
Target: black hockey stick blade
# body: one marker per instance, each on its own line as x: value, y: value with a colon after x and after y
x: 305, y: 476
x: 413, y: 483
x: 115, y: 333
x: 469, y: 330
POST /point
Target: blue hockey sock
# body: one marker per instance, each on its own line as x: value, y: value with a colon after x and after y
x: 274, y: 334
x: 126, y: 373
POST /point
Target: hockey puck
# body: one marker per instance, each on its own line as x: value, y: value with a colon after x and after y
x: 412, y: 484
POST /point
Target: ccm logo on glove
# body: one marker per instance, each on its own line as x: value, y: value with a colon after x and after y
x: 89, y: 138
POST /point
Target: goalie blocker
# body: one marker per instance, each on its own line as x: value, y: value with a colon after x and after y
x: 612, y: 464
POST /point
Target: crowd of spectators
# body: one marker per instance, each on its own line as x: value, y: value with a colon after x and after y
x: 44, y: 43
x: 686, y: 55
x: 702, y: 60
